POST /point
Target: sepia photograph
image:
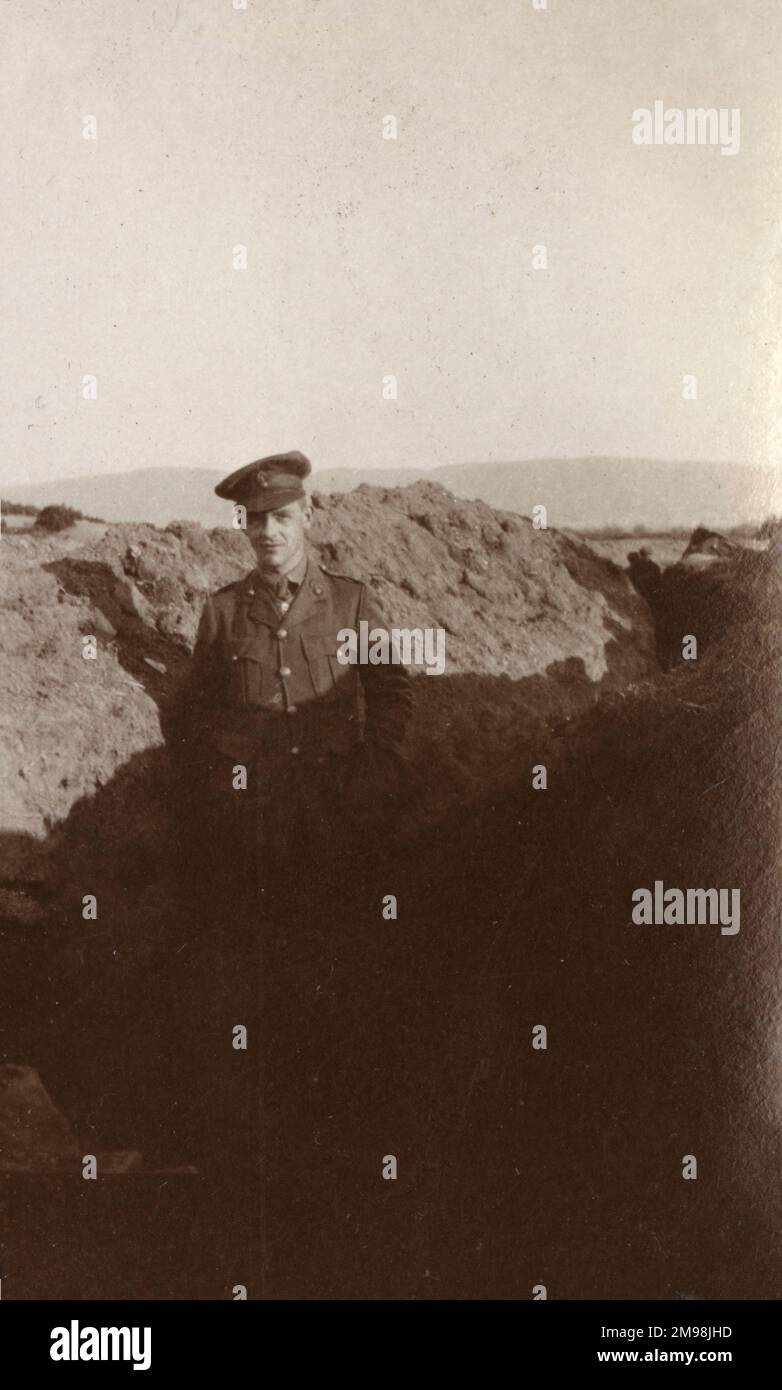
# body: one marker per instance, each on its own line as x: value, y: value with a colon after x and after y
x: 392, y: 563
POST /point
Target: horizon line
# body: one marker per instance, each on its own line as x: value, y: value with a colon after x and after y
x: 405, y: 467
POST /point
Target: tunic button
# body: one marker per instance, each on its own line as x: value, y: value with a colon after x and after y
x: 284, y: 607
x: 291, y: 709
x: 234, y: 658
x: 285, y: 670
x: 294, y: 750
x: 282, y: 632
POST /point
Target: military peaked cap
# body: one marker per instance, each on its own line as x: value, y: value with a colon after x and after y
x: 268, y: 483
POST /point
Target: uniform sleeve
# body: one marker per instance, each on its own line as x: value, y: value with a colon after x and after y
x: 200, y: 692
x: 388, y: 689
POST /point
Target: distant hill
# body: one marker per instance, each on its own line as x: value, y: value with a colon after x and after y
x: 156, y: 495
x: 578, y: 493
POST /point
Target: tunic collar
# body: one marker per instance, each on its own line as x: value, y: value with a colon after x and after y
x: 263, y: 606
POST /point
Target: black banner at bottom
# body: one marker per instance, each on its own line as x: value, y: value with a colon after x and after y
x: 175, y: 1339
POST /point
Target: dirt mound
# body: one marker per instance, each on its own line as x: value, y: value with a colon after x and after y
x: 69, y: 721
x: 512, y: 599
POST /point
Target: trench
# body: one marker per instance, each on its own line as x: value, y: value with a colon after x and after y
x: 517, y: 1163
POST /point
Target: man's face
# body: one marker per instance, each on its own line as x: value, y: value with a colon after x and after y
x: 278, y: 538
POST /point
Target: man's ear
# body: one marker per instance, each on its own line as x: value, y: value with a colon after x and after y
x: 306, y: 511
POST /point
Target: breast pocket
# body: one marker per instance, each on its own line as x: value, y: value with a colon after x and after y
x: 245, y: 675
x: 325, y: 671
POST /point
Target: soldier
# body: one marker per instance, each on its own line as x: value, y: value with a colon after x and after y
x: 277, y: 743
x: 287, y: 756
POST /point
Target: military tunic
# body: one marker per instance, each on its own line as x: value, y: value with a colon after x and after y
x: 267, y: 688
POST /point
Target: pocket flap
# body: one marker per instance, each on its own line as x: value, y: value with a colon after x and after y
x: 243, y: 649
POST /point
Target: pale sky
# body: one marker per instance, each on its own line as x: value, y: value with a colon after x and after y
x: 368, y: 257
